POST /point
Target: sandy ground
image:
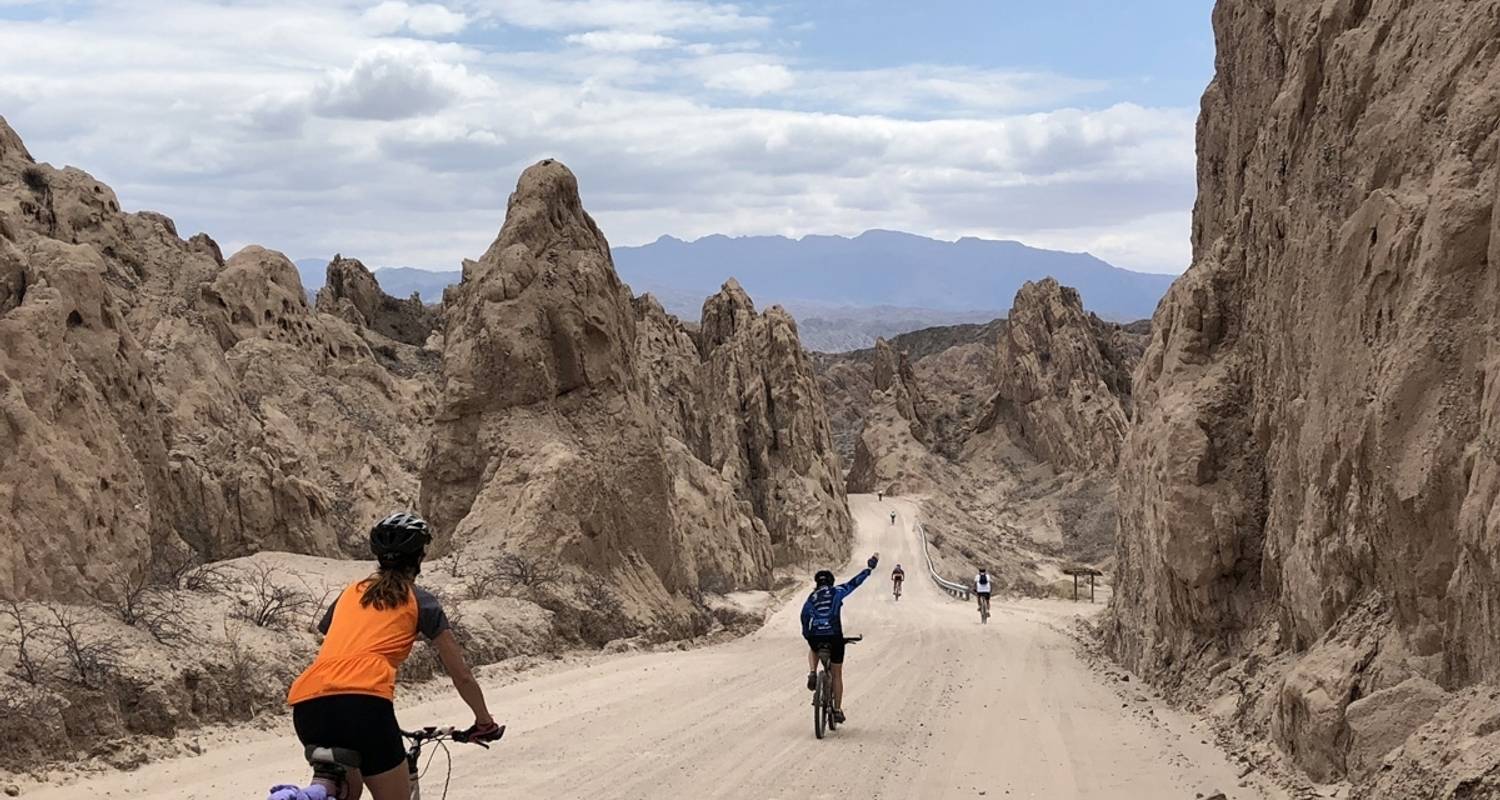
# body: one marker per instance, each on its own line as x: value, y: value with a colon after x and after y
x: 939, y: 706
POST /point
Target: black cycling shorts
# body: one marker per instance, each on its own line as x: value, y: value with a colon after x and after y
x: 836, y: 646
x: 363, y: 723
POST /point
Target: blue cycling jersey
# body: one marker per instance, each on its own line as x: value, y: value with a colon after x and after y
x: 820, y: 613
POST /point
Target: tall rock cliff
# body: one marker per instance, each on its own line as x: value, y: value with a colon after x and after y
x: 766, y: 428
x: 576, y: 424
x: 156, y: 398
x: 1062, y: 380
x: 897, y: 411
x: 543, y: 437
x: 1310, y: 493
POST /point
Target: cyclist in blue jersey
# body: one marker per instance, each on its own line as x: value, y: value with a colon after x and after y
x: 823, y: 627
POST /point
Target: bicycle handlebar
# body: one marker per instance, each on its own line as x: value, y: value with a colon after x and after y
x: 431, y: 733
x: 448, y: 733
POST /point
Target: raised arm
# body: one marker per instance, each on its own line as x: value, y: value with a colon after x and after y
x: 855, y: 581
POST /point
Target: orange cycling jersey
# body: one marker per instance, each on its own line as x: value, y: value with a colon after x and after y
x: 365, y: 645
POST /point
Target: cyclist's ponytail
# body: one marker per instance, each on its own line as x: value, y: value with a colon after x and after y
x: 389, y: 587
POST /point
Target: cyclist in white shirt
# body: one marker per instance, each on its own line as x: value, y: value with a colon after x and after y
x: 982, y: 588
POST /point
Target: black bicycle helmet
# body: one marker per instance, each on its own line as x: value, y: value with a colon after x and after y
x: 823, y: 578
x: 401, y: 537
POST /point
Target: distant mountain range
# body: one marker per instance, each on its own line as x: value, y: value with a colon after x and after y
x: 845, y: 291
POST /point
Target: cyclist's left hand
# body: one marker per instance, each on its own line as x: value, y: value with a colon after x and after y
x: 480, y: 734
x: 875, y: 559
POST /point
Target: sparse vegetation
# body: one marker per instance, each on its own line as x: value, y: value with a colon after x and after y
x: 36, y: 180
x: 603, y: 616
x: 90, y: 656
x: 513, y: 574
x: 268, y: 600
x: 28, y: 666
x: 143, y: 598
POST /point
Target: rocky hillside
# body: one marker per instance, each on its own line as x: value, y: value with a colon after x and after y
x: 160, y: 399
x: 1063, y: 379
x: 1011, y: 428
x: 1309, y: 492
x: 596, y: 470
x: 707, y: 457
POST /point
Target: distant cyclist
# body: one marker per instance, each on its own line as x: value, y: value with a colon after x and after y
x: 822, y: 626
x: 346, y: 697
x: 897, y: 576
x: 982, y: 588
x: 893, y: 518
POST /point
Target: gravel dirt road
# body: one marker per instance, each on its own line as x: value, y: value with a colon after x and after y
x: 939, y: 706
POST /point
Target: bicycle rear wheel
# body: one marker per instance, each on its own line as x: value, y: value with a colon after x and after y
x: 820, y: 701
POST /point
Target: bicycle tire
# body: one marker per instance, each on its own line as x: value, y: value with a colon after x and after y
x: 818, y: 703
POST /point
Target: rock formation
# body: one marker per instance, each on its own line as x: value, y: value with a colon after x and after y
x: 894, y: 384
x: 945, y: 413
x: 1309, y: 491
x: 161, y: 404
x: 158, y: 398
x: 766, y: 429
x: 351, y: 293
x: 894, y: 376
x: 569, y: 428
x: 1061, y: 378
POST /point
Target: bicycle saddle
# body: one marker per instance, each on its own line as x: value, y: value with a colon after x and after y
x: 331, y: 762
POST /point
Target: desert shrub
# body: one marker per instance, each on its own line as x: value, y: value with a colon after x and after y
x: 23, y: 640
x: 90, y: 657
x: 603, y: 615
x: 189, y: 573
x: 36, y: 180
x: 142, y: 598
x: 244, y: 687
x: 267, y: 598
x: 514, y: 574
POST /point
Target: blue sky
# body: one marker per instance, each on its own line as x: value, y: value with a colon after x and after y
x: 394, y: 130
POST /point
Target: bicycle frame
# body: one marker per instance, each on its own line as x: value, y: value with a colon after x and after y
x: 328, y: 767
x: 823, y: 689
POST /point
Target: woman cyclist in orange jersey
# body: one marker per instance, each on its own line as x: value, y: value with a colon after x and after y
x: 345, y: 699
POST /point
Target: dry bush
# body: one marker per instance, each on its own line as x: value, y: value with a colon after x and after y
x: 23, y: 639
x: 513, y: 573
x: 141, y: 599
x: 272, y: 602
x: 189, y: 573
x: 90, y: 657
x: 244, y: 673
x: 457, y: 562
x: 36, y: 180
x: 603, y: 615
x: 516, y: 570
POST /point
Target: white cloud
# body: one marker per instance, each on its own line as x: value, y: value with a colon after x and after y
x: 750, y: 79
x: 652, y: 16
x: 308, y: 127
x: 621, y: 41
x: 940, y: 89
x: 423, y: 19
x: 387, y: 85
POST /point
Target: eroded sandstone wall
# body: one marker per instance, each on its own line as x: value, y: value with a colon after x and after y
x: 579, y: 424
x: 1062, y: 380
x: 1311, y: 477
x: 158, y: 399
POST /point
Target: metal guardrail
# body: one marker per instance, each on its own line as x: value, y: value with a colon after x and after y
x: 958, y: 590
